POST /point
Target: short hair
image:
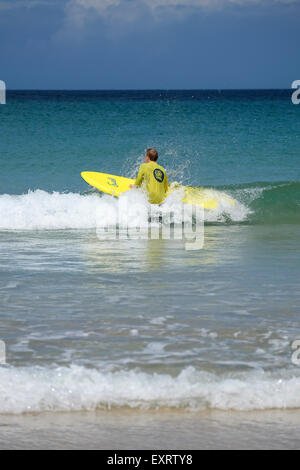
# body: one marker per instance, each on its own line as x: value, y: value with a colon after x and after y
x: 152, y: 154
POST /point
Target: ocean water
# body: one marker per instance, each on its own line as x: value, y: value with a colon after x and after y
x: 92, y: 324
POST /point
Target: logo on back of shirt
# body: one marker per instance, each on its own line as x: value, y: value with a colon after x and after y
x: 159, y: 175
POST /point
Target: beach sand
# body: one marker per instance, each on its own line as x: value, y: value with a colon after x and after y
x: 131, y: 430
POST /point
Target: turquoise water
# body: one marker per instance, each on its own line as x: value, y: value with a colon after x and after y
x: 90, y: 323
x: 214, y: 138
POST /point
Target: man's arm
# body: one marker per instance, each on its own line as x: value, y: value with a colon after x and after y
x: 166, y: 183
x: 140, y: 177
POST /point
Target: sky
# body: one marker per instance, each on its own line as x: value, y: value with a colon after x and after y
x: 149, y: 44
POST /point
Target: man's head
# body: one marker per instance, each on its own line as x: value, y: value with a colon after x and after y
x: 151, y: 155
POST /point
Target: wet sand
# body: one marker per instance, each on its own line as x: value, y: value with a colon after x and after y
x: 128, y: 430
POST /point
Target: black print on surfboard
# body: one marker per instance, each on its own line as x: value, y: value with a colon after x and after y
x: 112, y: 182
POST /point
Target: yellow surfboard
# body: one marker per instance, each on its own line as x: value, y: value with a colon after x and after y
x: 116, y: 185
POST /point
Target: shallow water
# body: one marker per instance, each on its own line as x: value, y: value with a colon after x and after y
x: 215, y: 326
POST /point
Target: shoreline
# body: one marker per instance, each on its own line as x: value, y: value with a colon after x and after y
x: 161, y: 429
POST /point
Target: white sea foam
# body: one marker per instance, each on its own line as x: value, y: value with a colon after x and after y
x: 76, y: 388
x: 39, y: 210
x: 154, y: 348
x: 159, y: 320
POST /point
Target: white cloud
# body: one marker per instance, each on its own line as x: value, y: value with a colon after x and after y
x: 12, y: 4
x: 78, y: 12
x: 111, y: 7
x: 102, y: 6
x: 99, y: 5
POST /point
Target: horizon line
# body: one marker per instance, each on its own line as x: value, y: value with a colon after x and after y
x: 147, y: 89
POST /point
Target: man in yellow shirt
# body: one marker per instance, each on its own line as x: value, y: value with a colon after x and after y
x: 153, y: 177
